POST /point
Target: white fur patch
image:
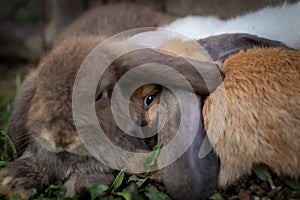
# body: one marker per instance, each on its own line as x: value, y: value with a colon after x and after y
x: 279, y: 23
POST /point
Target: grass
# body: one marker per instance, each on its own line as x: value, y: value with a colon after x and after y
x: 5, y: 110
x: 140, y: 186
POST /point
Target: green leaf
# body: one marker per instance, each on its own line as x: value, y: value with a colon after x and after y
x: 118, y: 181
x: 97, y: 190
x: 139, y: 181
x: 125, y: 194
x: 153, y: 194
x: 150, y: 160
x: 56, y: 190
x: 216, y: 196
x: 292, y: 184
x: 263, y: 173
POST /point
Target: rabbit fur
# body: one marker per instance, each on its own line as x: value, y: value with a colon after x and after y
x: 146, y: 116
x: 41, y: 125
x: 254, y: 118
x: 194, y: 177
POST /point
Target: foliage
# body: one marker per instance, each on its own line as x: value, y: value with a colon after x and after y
x: 263, y: 173
x: 150, y: 161
x: 216, y: 196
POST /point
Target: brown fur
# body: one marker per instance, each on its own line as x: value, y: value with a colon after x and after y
x: 186, y: 49
x: 189, y: 68
x: 262, y: 113
x: 139, y: 114
x: 195, y: 178
x: 41, y: 125
x: 53, y: 150
x: 261, y: 108
x: 112, y: 19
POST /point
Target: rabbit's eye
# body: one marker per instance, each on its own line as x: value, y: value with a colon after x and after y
x: 148, y: 101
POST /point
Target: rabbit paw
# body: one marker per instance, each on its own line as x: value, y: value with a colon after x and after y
x: 14, y: 186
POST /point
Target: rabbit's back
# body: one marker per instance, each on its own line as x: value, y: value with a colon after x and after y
x: 112, y: 19
x: 259, y: 116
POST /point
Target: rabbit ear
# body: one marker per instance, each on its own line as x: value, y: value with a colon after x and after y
x: 204, y: 77
x: 17, y: 122
x: 221, y: 46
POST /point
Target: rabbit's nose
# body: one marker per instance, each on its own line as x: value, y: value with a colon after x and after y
x: 142, y: 122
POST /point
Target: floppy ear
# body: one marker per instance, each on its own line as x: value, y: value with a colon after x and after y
x: 17, y: 122
x: 204, y: 77
x: 221, y: 46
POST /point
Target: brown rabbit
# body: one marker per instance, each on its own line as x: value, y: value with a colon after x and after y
x: 254, y: 118
x: 146, y: 99
x: 47, y: 141
x: 41, y: 125
x: 195, y: 178
x: 112, y: 19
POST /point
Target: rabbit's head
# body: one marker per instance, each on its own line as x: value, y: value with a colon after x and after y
x: 43, y: 107
x: 146, y: 99
x: 157, y: 104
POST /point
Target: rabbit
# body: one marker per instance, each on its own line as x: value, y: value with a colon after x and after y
x: 254, y: 118
x: 195, y: 178
x: 145, y: 112
x: 44, y: 133
x: 41, y: 124
x: 188, y: 177
x: 275, y: 23
x: 43, y: 130
x: 105, y: 21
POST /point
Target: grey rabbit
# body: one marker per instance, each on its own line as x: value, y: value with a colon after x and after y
x: 41, y: 125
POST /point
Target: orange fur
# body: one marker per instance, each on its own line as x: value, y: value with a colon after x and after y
x: 258, y: 121
x: 187, y: 49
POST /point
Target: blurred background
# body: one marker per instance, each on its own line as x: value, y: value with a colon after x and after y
x: 29, y: 27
